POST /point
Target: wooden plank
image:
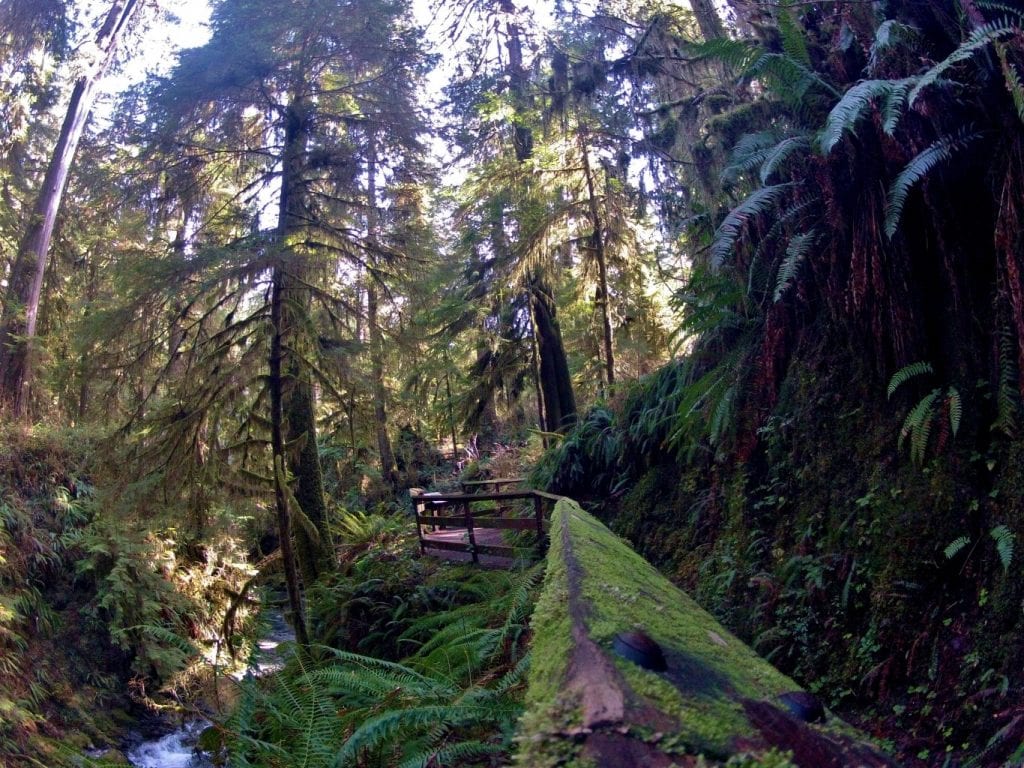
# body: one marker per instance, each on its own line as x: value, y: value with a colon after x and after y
x: 505, y: 523
x: 492, y: 482
x: 473, y: 497
x: 441, y: 522
x: 452, y: 546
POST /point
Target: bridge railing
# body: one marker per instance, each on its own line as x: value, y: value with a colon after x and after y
x: 476, y: 512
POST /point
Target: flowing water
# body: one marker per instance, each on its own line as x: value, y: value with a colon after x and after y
x: 177, y: 749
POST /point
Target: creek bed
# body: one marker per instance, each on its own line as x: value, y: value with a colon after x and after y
x: 177, y: 748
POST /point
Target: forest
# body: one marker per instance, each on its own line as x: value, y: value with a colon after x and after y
x: 742, y: 278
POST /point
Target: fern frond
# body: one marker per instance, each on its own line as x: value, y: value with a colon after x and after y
x: 889, y: 33
x: 942, y: 150
x: 799, y: 246
x: 749, y: 153
x: 729, y: 230
x: 1001, y: 7
x: 463, y: 753
x: 1012, y: 78
x: 979, y: 38
x: 851, y: 108
x: 905, y: 374
x: 737, y: 54
x: 1004, y: 539
x: 1007, y: 393
x: 791, y: 34
x: 918, y: 426
x: 788, y: 78
x: 956, y: 546
x: 956, y: 409
x: 895, y: 105
x: 759, y: 273
x: 780, y: 153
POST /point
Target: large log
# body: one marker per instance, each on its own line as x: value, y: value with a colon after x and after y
x: 629, y: 671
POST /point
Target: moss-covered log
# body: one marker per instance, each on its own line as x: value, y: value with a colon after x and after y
x: 714, y: 700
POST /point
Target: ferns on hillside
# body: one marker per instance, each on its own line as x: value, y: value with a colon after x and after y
x: 457, y: 697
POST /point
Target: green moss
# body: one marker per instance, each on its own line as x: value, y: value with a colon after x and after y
x: 622, y: 591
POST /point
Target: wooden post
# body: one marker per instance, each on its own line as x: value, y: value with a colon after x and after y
x: 469, y: 528
x: 538, y: 513
x: 417, y: 510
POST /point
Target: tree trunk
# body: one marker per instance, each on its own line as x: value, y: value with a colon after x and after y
x: 21, y: 305
x: 380, y: 412
x: 388, y: 470
x: 708, y: 20
x: 276, y: 384
x: 555, y: 382
x: 296, y: 408
x: 597, y: 245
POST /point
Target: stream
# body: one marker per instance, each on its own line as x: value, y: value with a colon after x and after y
x: 177, y: 749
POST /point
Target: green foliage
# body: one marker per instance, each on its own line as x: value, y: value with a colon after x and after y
x: 1003, y: 538
x: 939, y: 152
x: 905, y: 374
x: 455, y: 698
x: 979, y: 38
x: 729, y: 231
x: 134, y: 600
x: 856, y: 101
x: 796, y: 251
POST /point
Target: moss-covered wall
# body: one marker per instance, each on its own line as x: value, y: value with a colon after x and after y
x: 715, y: 700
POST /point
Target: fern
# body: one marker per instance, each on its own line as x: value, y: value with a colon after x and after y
x: 996, y: 5
x: 956, y: 546
x: 791, y: 33
x: 759, y: 274
x: 737, y: 54
x: 942, y: 150
x: 728, y: 232
x: 1004, y: 539
x: 905, y: 374
x: 888, y: 34
x: 788, y: 77
x: 919, y: 422
x: 1012, y: 78
x: 852, y: 107
x: 750, y: 152
x: 799, y: 246
x: 895, y: 104
x: 979, y: 38
x: 956, y: 409
x: 780, y: 153
x: 1007, y: 393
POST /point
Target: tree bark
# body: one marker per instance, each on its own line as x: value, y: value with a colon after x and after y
x: 312, y: 539
x: 388, y: 470
x: 380, y: 412
x: 597, y: 245
x: 276, y: 384
x: 708, y: 20
x: 555, y: 381
x: 21, y: 305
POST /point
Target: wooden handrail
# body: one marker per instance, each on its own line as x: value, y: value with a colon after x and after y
x: 429, y: 505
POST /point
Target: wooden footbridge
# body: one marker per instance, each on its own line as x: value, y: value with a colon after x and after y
x: 483, y: 523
